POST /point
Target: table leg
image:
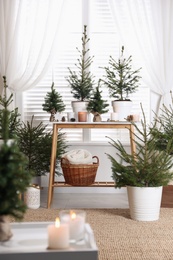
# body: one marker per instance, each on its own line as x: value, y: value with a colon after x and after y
x: 52, y: 165
x: 132, y: 140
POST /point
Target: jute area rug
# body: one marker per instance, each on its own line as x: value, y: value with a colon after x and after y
x: 120, y: 238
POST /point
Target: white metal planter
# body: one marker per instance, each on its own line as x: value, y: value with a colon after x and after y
x: 144, y: 202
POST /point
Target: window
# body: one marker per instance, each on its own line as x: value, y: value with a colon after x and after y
x: 104, y: 41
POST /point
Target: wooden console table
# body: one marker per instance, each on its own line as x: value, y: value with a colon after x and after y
x: 104, y: 125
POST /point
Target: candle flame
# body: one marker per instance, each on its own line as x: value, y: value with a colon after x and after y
x: 73, y: 215
x: 57, y: 222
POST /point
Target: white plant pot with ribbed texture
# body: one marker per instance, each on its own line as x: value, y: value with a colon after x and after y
x: 144, y: 202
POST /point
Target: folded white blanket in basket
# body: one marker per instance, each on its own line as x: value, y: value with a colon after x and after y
x: 78, y: 156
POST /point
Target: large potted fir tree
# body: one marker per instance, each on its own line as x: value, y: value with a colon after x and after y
x: 121, y: 81
x: 81, y: 80
x: 14, y: 177
x: 97, y: 105
x: 53, y: 103
x: 143, y: 173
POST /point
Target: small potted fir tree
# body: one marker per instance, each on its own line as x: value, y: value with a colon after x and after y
x: 81, y: 80
x: 53, y: 103
x: 143, y: 173
x: 97, y: 105
x: 121, y: 81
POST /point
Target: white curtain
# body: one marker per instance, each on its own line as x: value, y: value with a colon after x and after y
x: 29, y: 31
x: 149, y: 36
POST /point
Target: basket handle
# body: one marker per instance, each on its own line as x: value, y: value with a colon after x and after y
x: 97, y: 159
x: 65, y: 161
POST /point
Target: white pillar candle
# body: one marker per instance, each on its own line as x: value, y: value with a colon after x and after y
x: 58, y: 235
x: 76, y: 221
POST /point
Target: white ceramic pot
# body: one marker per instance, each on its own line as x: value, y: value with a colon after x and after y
x: 144, y: 202
x: 122, y: 108
x: 79, y: 106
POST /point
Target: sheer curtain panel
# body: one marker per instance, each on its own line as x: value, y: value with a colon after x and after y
x: 28, y: 40
x: 149, y: 36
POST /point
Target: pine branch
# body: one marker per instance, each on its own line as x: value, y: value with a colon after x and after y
x: 81, y: 81
x: 148, y: 167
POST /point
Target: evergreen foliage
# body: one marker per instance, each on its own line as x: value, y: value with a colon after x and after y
x: 36, y: 143
x: 121, y: 80
x: 12, y: 116
x: 14, y: 180
x: 53, y: 101
x: 81, y: 81
x: 97, y: 103
x: 14, y: 177
x: 163, y: 127
x: 148, y: 167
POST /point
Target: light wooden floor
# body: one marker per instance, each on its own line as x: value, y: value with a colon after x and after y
x: 99, y: 200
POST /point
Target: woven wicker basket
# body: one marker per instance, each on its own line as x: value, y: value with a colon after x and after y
x: 79, y: 174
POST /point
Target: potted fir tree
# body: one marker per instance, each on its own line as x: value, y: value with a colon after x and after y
x: 14, y: 176
x: 97, y: 105
x: 121, y: 81
x: 143, y: 173
x: 53, y: 103
x: 81, y: 80
x: 36, y: 143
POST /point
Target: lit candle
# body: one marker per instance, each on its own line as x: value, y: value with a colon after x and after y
x: 58, y: 235
x: 76, y: 221
x: 82, y: 116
